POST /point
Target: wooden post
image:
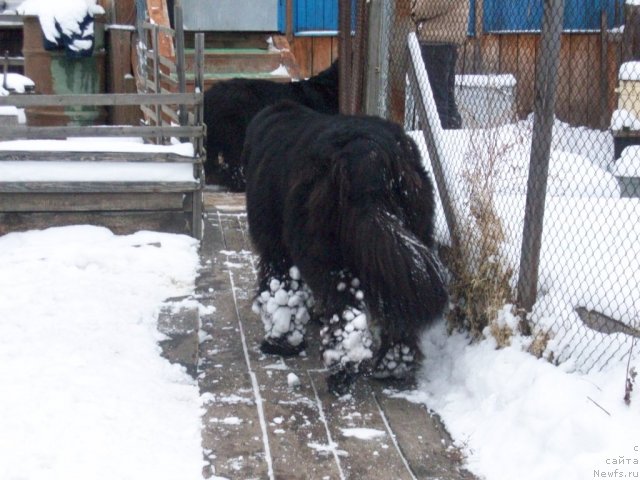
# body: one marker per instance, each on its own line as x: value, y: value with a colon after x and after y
x: 120, y: 72
x: 344, y: 54
x: 359, y: 46
x: 289, y: 20
x: 631, y: 35
x: 605, y: 115
x: 545, y: 90
x: 180, y: 61
x: 199, y: 144
x: 375, y: 59
x: 402, y: 25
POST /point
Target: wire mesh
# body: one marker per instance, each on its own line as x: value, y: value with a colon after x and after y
x: 483, y: 118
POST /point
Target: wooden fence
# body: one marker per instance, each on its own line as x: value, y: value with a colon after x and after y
x: 124, y: 206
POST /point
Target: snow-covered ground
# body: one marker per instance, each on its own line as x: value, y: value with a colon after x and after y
x: 85, y: 392
x: 78, y: 349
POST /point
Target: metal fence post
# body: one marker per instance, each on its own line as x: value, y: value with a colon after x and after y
x: 544, y: 108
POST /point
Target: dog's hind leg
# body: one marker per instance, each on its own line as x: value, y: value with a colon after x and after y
x: 398, y: 362
x: 283, y: 304
x: 348, y: 343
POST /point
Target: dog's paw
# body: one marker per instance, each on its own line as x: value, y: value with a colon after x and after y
x: 398, y: 363
x: 279, y: 346
x: 341, y: 382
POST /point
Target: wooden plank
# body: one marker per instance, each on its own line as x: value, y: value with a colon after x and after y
x: 120, y: 68
x: 81, y: 202
x: 563, y: 103
x: 491, y: 53
x: 374, y: 458
x: 125, y: 12
x: 98, y: 187
x: 322, y: 54
x: 159, y: 15
x: 424, y: 440
x: 527, y: 46
x: 593, y: 79
x: 231, y: 433
x: 580, y: 66
x: 13, y: 132
x: 302, y: 48
x: 294, y: 422
x: 121, y: 223
x: 102, y: 99
x: 66, y: 156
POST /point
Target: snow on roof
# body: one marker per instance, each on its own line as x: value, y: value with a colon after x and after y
x: 628, y: 165
x: 629, y: 70
x: 16, y: 83
x: 503, y: 80
x: 64, y: 18
x: 622, y: 119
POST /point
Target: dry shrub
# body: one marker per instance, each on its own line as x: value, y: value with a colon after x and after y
x: 481, y: 276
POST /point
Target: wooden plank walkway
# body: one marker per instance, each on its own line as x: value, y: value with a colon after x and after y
x: 258, y: 426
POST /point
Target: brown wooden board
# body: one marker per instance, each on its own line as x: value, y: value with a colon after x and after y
x: 159, y: 14
x: 564, y: 85
x: 67, y: 156
x: 527, y: 45
x: 97, y: 187
x: 87, y: 202
x: 121, y: 223
x: 580, y: 66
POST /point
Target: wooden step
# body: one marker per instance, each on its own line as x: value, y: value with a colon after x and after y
x: 237, y: 60
x: 211, y: 79
x: 230, y: 39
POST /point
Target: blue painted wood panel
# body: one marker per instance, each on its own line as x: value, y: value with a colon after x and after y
x: 317, y: 15
x: 522, y: 15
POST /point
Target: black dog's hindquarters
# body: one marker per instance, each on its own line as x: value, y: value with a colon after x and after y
x: 346, y: 202
x: 229, y: 106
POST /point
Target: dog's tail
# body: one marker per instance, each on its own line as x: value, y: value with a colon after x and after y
x: 402, y: 278
x: 389, y: 248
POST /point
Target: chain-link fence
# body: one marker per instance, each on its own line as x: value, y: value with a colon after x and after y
x: 528, y: 120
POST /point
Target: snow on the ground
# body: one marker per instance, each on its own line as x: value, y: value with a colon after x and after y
x: 518, y: 417
x: 85, y: 392
x: 512, y: 415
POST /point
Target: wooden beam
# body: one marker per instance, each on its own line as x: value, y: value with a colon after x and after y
x: 89, y: 202
x: 98, y: 187
x: 13, y: 132
x: 94, y: 156
x: 95, y: 99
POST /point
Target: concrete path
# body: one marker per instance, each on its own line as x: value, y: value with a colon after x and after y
x: 259, y: 425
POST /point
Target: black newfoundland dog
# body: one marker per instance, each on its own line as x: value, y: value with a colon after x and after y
x: 229, y: 107
x: 341, y: 210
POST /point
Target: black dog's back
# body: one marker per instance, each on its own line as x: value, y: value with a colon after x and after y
x: 229, y: 107
x: 345, y: 194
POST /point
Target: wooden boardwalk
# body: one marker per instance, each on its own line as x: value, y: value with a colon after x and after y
x: 258, y: 426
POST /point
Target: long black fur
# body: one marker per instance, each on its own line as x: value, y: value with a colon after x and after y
x: 345, y: 197
x: 229, y: 107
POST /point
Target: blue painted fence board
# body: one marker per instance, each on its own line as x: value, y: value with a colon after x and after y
x: 523, y: 15
x: 317, y: 15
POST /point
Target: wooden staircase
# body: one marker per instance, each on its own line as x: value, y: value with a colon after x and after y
x: 243, y: 55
